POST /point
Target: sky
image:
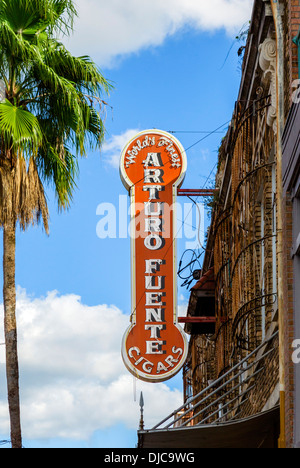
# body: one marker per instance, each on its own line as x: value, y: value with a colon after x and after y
x: 174, y: 66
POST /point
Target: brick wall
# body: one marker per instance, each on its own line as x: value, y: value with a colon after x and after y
x: 294, y: 29
x: 289, y: 320
x: 291, y: 29
x: 291, y: 23
x: 266, y: 383
x: 201, y: 354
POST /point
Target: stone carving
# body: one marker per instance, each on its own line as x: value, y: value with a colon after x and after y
x: 267, y: 62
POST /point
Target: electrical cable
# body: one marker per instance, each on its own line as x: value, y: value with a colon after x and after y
x: 189, y: 279
x: 199, y: 224
x: 194, y: 144
x: 4, y: 442
x: 193, y: 131
x: 209, y: 134
x: 174, y: 237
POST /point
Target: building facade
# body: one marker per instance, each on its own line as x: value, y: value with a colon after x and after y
x: 291, y: 197
x: 243, y: 314
x: 243, y: 245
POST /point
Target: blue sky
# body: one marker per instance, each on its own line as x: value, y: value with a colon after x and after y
x: 170, y: 71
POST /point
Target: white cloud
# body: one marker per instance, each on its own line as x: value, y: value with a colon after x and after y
x: 114, y: 146
x: 73, y: 381
x: 107, y: 30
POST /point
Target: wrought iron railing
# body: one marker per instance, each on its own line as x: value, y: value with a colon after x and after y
x: 222, y: 401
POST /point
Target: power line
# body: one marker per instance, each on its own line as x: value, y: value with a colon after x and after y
x: 194, y: 144
x: 5, y: 442
x: 194, y: 131
x: 175, y: 236
x: 209, y: 134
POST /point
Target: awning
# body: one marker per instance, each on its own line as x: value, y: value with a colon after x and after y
x: 201, y: 305
x: 206, y: 282
x: 260, y: 431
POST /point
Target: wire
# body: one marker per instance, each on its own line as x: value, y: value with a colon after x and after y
x: 194, y: 259
x: 189, y: 279
x: 194, y: 144
x: 199, y: 224
x: 174, y: 237
x: 234, y: 42
x: 192, y: 131
x: 4, y: 442
x: 209, y: 134
x: 191, y: 265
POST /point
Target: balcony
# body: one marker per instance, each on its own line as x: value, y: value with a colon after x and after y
x: 223, y: 415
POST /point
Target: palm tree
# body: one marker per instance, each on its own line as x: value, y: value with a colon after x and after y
x: 50, y: 115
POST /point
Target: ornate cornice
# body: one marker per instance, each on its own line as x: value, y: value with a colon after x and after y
x: 267, y: 62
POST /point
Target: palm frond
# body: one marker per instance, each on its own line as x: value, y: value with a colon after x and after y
x: 81, y: 71
x: 65, y: 12
x: 24, y: 15
x: 19, y: 129
x: 53, y: 111
x: 15, y: 43
x: 59, y: 167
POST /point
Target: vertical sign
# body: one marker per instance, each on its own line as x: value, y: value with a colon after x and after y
x: 153, y: 166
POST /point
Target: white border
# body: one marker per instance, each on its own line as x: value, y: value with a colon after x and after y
x: 131, y: 189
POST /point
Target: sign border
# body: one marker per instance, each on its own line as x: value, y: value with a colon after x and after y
x: 131, y: 189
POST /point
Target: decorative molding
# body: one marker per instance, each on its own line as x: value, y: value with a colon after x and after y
x: 268, y: 8
x: 267, y: 62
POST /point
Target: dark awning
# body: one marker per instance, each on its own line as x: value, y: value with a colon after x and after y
x: 260, y: 431
x: 202, y: 305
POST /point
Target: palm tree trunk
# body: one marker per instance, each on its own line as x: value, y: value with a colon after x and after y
x: 10, y: 327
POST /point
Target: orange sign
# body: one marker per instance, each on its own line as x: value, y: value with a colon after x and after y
x: 153, y: 166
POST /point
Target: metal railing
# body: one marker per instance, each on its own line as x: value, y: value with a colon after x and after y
x: 223, y: 399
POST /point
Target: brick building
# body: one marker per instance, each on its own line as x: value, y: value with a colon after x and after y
x: 241, y: 386
x: 291, y: 198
